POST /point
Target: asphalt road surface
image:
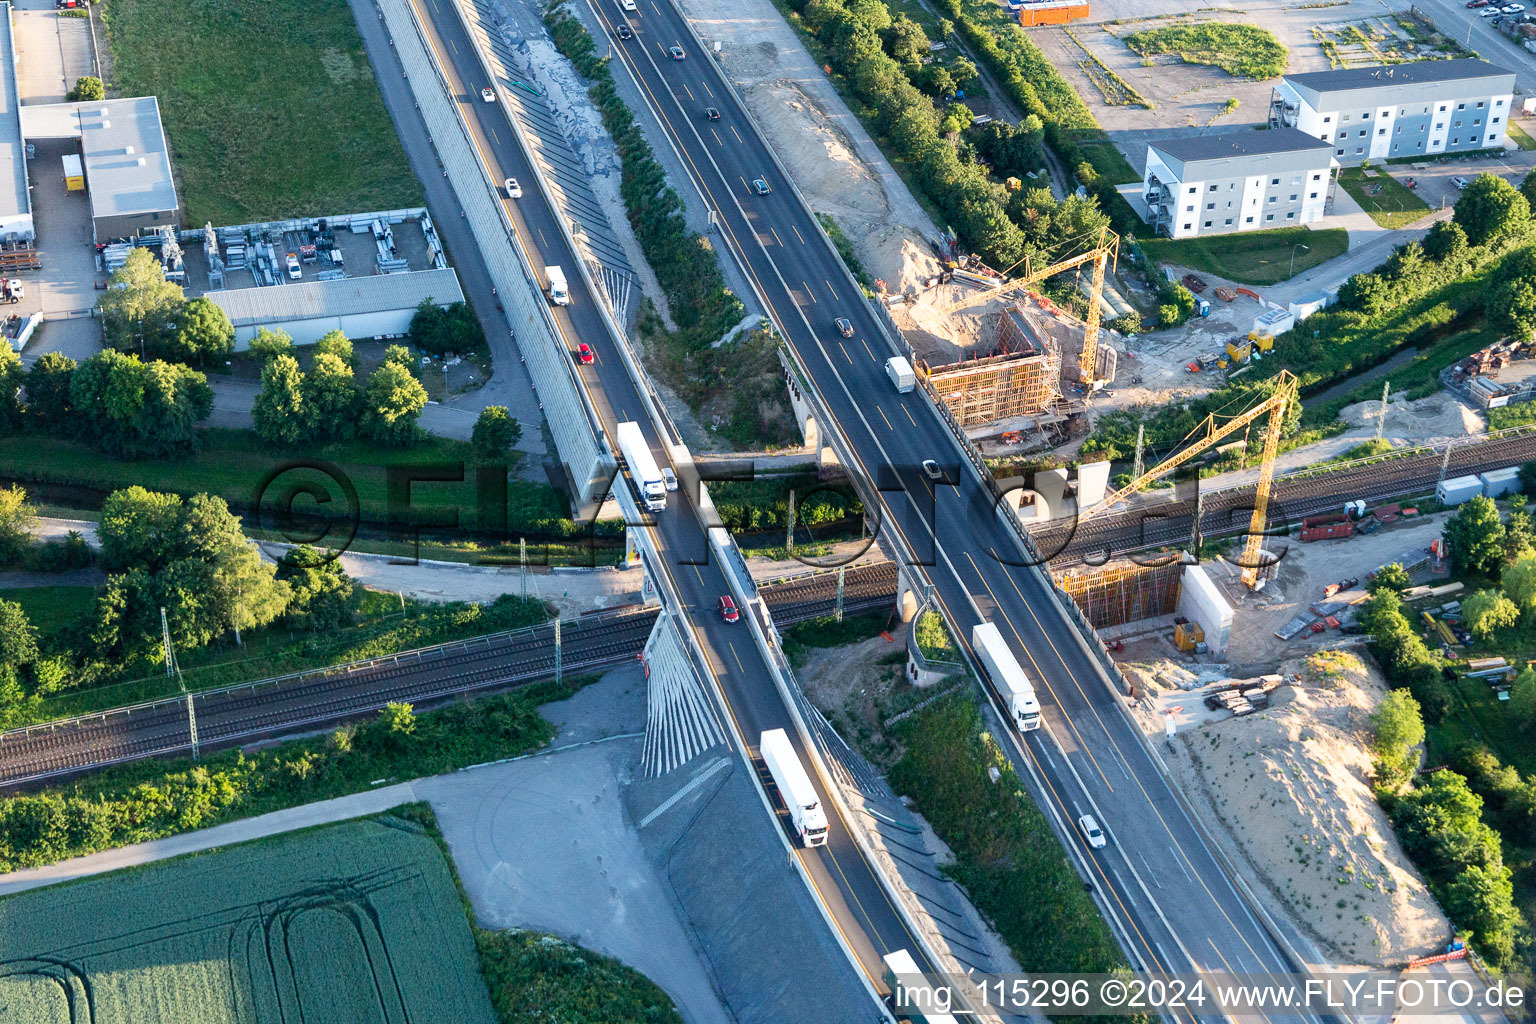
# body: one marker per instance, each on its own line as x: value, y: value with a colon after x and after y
x: 1160, y: 879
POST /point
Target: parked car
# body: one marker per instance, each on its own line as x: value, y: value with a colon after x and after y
x: 1460, y: 182
x: 625, y: 32
x: 293, y: 267
x: 514, y: 190
x: 1513, y: 8
x: 728, y: 610
x: 1092, y: 833
x: 584, y: 353
x: 1478, y: 3
x: 844, y: 327
x: 488, y: 94
x: 1490, y: 12
x: 676, y: 52
x: 760, y: 186
x: 711, y: 114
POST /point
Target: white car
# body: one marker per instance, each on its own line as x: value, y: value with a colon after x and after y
x: 1512, y: 8
x: 514, y: 190
x: 669, y: 478
x: 1092, y: 833
x: 1489, y: 12
x: 1460, y: 182
x: 293, y: 267
x: 488, y: 94
x: 627, y: 6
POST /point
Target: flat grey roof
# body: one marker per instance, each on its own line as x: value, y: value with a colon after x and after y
x: 350, y: 296
x: 127, y: 165
x: 14, y: 199
x: 1194, y: 148
x: 1423, y: 72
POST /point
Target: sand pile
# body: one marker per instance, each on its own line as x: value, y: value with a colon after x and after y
x: 1290, y: 787
x: 1432, y: 418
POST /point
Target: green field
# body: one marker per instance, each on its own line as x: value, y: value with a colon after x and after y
x: 357, y: 922
x: 1394, y: 206
x: 1243, y: 51
x: 271, y: 109
x: 53, y: 610
x: 1251, y: 257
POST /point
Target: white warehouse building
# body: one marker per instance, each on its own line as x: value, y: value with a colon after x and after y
x: 1427, y: 108
x: 1236, y: 181
x: 377, y: 306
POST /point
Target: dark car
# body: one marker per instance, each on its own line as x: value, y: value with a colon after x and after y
x: 711, y: 113
x: 676, y: 53
x: 625, y: 32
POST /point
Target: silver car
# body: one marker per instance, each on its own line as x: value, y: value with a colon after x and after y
x: 1092, y: 833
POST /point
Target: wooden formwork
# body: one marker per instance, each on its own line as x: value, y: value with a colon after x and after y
x: 1122, y: 591
x: 997, y: 388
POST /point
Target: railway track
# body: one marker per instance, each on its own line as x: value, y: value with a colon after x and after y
x: 322, y: 698
x: 1225, y: 513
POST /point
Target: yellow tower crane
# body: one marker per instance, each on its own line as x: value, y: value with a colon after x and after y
x: 1276, y: 406
x: 1106, y: 251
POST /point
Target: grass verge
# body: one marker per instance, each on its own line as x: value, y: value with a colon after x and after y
x: 146, y: 800
x: 271, y: 110
x: 1394, y: 206
x: 1521, y: 136
x: 53, y: 610
x: 1252, y: 257
x: 1243, y: 51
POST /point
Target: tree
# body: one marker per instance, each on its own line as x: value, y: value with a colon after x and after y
x: 1522, y: 697
x: 1369, y: 293
x: 1446, y: 242
x: 1512, y: 302
x: 441, y: 329
x: 400, y: 356
x: 392, y: 400
x: 1528, y: 477
x: 48, y: 392
x: 1398, y: 731
x: 323, y: 596
x: 86, y: 89
x: 140, y: 528
x: 906, y: 41
x: 957, y: 118
x: 398, y: 719
x: 1519, y: 581
x: 330, y: 396
x: 18, y: 638
x: 269, y: 344
x: 18, y: 518
x: 1519, y: 535
x: 1490, y: 209
x: 336, y: 344
x: 131, y: 408
x: 12, y: 376
x: 1528, y: 188
x: 1391, y: 576
x: 1488, y: 611
x: 203, y: 334
x: 139, y: 309
x: 495, y: 431
x: 964, y: 71
x: 278, y: 414
x: 1476, y: 535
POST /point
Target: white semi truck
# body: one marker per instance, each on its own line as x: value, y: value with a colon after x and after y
x: 805, y: 812
x: 559, y: 293
x: 1011, y: 682
x: 650, y: 488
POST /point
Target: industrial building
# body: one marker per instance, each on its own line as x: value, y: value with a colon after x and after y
x: 1236, y: 181
x: 125, y: 162
x: 376, y: 306
x: 1427, y: 108
x: 15, y: 195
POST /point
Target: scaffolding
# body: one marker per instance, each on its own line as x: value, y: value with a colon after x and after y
x: 1123, y: 591
x: 981, y: 392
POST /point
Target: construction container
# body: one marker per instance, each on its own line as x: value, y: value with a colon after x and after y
x: 1458, y: 490
x: 1238, y: 349
x: 1274, y: 322
x: 1499, y: 482
x: 1264, y: 342
x: 1186, y: 635
x: 74, y: 176
x: 1052, y: 12
x: 1329, y: 527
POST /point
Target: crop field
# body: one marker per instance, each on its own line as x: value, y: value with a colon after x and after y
x: 357, y: 923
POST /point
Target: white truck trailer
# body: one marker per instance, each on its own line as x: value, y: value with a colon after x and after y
x: 650, y: 488
x: 1011, y: 682
x: 559, y: 293
x: 900, y: 371
x: 912, y: 998
x: 800, y: 797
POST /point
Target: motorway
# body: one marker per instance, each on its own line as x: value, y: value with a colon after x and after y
x: 847, y: 885
x: 1088, y: 755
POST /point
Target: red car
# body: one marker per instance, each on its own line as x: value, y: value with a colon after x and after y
x: 1477, y: 3
x: 728, y: 610
x: 584, y: 353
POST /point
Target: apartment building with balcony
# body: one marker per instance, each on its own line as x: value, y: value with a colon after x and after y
x: 1236, y: 181
x: 1428, y: 108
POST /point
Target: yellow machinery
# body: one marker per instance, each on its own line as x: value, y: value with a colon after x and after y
x: 1186, y: 635
x: 1107, y: 251
x: 1276, y: 406
x: 1013, y: 184
x: 1265, y: 342
x: 1238, y: 351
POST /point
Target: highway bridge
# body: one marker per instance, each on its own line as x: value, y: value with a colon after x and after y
x: 326, y: 697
